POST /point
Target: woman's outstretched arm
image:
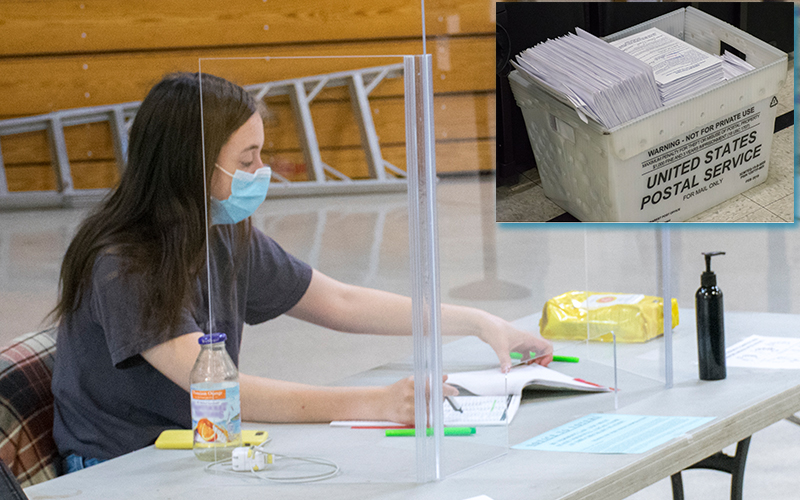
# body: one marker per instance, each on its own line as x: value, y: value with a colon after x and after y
x: 348, y: 308
x: 269, y: 400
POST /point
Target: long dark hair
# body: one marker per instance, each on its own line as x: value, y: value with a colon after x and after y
x: 156, y: 218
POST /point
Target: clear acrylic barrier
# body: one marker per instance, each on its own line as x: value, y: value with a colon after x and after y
x: 535, y: 263
x: 755, y: 277
x: 508, y: 270
x: 335, y: 126
x: 628, y: 261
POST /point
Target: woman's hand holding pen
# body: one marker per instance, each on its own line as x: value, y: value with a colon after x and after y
x: 398, y: 404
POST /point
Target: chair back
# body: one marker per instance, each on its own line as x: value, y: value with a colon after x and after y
x: 26, y: 408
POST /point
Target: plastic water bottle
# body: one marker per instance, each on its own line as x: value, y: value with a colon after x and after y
x: 216, y: 419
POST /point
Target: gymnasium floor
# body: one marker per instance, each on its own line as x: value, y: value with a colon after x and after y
x: 508, y: 269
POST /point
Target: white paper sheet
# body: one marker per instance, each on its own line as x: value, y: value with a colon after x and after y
x: 601, y: 81
x: 733, y: 66
x: 680, y: 69
x: 493, y: 382
x: 613, y: 433
x: 765, y: 352
x: 482, y: 410
x: 476, y: 411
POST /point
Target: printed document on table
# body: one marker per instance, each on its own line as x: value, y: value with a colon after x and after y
x: 613, y: 433
x: 765, y: 352
x: 491, y: 397
x: 475, y: 411
x: 482, y: 410
x: 493, y: 382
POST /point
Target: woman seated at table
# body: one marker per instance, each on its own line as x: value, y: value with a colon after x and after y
x: 134, y: 287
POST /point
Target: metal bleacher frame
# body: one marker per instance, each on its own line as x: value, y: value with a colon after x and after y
x: 323, y: 179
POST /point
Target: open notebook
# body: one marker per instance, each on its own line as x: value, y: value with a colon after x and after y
x: 494, y: 383
x: 489, y: 397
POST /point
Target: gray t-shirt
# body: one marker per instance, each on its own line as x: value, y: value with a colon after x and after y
x: 108, y: 400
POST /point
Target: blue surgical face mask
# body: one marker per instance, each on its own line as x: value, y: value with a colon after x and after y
x: 248, y: 191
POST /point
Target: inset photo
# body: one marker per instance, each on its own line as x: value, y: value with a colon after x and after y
x: 645, y: 112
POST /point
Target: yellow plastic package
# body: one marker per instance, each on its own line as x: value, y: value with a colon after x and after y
x: 632, y: 317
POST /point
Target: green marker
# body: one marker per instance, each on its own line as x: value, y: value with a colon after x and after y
x: 518, y: 355
x: 566, y: 359
x: 448, y: 431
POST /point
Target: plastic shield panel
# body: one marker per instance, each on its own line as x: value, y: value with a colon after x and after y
x: 541, y: 272
x: 626, y: 268
x: 340, y: 134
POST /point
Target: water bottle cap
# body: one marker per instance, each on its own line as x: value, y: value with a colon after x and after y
x: 212, y: 338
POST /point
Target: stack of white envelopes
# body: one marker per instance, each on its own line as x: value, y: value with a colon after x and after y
x: 733, y: 65
x: 681, y: 70
x: 601, y: 81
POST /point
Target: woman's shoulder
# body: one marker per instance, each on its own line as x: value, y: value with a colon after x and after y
x: 110, y: 255
x: 261, y: 243
x: 234, y: 235
x: 258, y: 235
x: 110, y: 264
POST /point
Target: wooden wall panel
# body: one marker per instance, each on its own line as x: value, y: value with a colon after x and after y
x: 41, y: 85
x: 454, y: 157
x: 91, y: 26
x: 41, y: 177
x: 462, y: 116
x: 466, y: 156
x: 24, y: 149
x: 451, y: 157
x: 61, y: 54
x: 91, y: 141
x: 38, y: 177
x: 462, y: 156
x: 94, y: 174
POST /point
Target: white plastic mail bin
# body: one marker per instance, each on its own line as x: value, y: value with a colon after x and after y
x: 672, y: 163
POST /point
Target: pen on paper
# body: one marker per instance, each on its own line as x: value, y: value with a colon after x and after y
x: 508, y: 403
x: 454, y: 404
x: 556, y: 357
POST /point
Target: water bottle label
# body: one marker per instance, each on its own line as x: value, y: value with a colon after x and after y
x: 215, y: 413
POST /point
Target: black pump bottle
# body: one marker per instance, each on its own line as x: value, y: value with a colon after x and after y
x: 710, y: 325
